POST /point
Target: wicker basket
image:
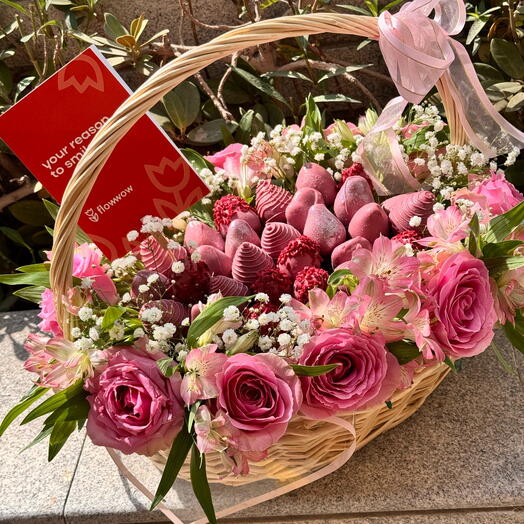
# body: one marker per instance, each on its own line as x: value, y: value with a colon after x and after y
x: 308, y: 445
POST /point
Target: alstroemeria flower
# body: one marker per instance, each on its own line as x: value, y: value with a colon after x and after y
x: 212, y: 432
x: 328, y: 312
x: 446, y: 227
x: 387, y: 261
x: 381, y: 310
x: 57, y: 361
x: 199, y: 382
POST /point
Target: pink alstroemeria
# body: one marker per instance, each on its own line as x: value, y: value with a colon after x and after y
x: 446, y: 227
x: 199, y: 382
x: 381, y: 310
x: 57, y: 361
x: 387, y: 261
x: 327, y: 313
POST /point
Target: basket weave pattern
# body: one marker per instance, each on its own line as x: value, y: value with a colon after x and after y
x: 308, y: 445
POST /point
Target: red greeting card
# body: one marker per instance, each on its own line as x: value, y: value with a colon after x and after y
x: 50, y: 128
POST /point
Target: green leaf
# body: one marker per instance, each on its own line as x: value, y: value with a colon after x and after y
x: 61, y: 431
x: 356, y: 9
x: 167, y: 366
x: 15, y: 5
x: 287, y: 74
x: 473, y: 240
x: 52, y: 209
x: 500, y: 227
x: 260, y: 84
x: 404, y: 351
x: 211, y: 314
x: 40, y: 278
x: 111, y: 315
x: 341, y: 277
x: 341, y: 71
x: 313, y: 371
x: 389, y: 404
x: 200, y: 484
x: 41, y: 436
x: 54, y: 402
x: 183, y: 105
x: 23, y: 85
x: 500, y: 249
x: 31, y: 293
x: 502, y: 361
x: 452, y: 364
x: 499, y: 265
x: 196, y: 159
x: 243, y: 133
x: 475, y: 28
x: 508, y: 57
x: 26, y: 401
x: 34, y: 268
x: 515, y: 102
x: 192, y: 415
x: 313, y: 118
x: 210, y: 133
x: 337, y: 97
x: 113, y: 27
x: 488, y: 75
x: 16, y: 237
x: 515, y: 334
x: 175, y: 460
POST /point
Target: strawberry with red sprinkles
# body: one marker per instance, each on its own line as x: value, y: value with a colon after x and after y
x: 356, y: 169
x: 226, y: 209
x: 307, y: 279
x: 299, y: 253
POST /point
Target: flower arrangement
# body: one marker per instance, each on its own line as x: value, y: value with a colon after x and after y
x: 292, y: 288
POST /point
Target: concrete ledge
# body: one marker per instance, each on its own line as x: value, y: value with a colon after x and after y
x: 459, y: 459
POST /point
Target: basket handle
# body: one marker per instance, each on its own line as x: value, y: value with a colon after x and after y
x: 152, y: 91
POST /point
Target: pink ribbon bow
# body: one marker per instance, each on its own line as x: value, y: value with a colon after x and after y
x: 419, y: 52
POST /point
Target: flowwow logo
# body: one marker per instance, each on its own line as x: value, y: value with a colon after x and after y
x: 94, y: 213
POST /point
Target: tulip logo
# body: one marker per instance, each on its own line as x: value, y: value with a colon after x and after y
x: 92, y: 215
x: 90, y: 78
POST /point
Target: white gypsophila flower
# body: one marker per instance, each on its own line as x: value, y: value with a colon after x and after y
x: 138, y: 333
x: 87, y: 283
x: 477, y: 159
x: 231, y: 314
x: 305, y: 325
x: 178, y: 267
x: 303, y: 339
x: 337, y: 176
x: 132, y: 235
x: 182, y: 354
x: 265, y: 342
x: 264, y: 319
x: 229, y: 337
x: 408, y: 250
x: 117, y: 331
x: 285, y: 298
x: 415, y: 221
x: 164, y: 332
x: 196, y: 256
x: 172, y: 244
x: 462, y: 168
x: 319, y: 157
x: 286, y: 325
x: 166, y: 222
x: 152, y: 314
x: 436, y: 183
x: 126, y: 297
x: 262, y: 297
x: 85, y: 313
x: 218, y: 341
x: 94, y: 334
x: 76, y: 332
x: 143, y: 288
x: 419, y: 161
x: 252, y: 324
x: 185, y: 322
x: 83, y: 343
x: 284, y: 339
x: 151, y: 279
x: 99, y: 321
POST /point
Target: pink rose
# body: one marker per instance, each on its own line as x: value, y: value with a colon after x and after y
x: 465, y: 314
x: 134, y: 407
x: 367, y: 375
x: 232, y: 151
x: 259, y: 394
x: 500, y: 194
x: 48, y: 314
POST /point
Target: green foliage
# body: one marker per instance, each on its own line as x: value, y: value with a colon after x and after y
x: 404, y: 351
x: 197, y: 470
x: 313, y: 371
